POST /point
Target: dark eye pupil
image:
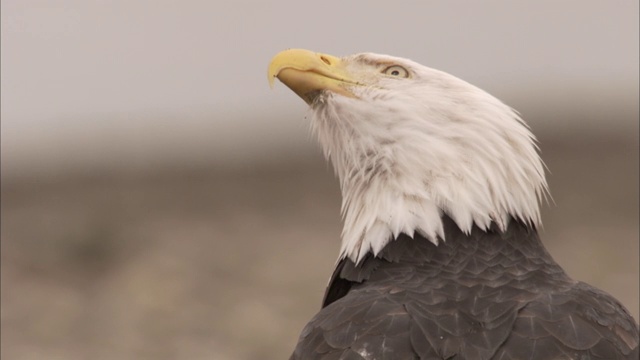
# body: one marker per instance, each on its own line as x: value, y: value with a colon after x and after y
x: 395, y: 73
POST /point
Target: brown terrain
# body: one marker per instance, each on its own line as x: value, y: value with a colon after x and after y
x: 230, y: 264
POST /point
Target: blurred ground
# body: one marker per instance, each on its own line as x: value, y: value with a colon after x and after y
x: 230, y: 264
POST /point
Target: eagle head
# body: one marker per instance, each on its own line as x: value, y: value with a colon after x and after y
x: 410, y: 144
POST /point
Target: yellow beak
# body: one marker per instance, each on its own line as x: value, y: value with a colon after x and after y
x: 308, y: 73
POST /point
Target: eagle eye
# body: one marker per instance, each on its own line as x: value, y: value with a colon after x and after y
x: 397, y: 71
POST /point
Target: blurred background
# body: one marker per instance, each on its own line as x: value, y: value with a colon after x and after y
x: 159, y: 201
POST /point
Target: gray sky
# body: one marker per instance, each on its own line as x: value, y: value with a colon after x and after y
x: 85, y: 82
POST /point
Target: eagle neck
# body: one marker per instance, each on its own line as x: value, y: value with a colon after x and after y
x: 402, y: 169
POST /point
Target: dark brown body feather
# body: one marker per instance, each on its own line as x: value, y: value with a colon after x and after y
x: 485, y: 295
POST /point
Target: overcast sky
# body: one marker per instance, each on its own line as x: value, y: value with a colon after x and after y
x: 122, y: 80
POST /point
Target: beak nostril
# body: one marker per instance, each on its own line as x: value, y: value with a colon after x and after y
x: 325, y: 60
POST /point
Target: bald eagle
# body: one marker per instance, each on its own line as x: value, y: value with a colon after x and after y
x: 440, y: 256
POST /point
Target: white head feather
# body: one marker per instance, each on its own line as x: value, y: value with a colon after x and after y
x: 408, y: 150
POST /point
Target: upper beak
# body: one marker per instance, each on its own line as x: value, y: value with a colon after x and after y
x: 308, y: 73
